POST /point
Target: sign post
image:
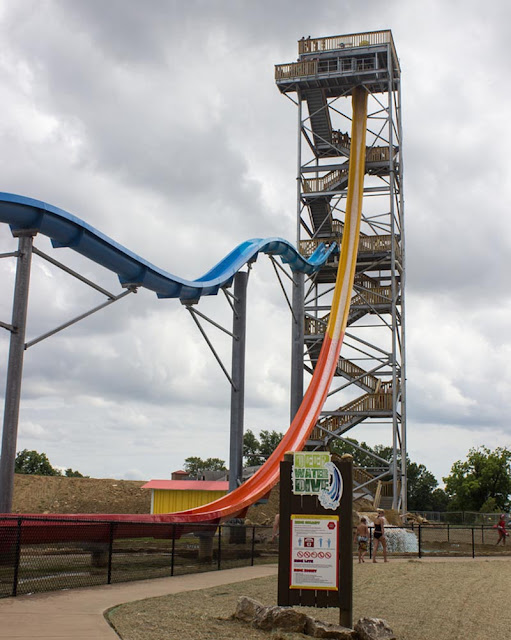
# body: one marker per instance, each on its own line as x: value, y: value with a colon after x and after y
x: 315, y: 543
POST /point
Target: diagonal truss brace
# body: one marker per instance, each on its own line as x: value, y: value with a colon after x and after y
x: 111, y: 298
x: 195, y: 316
x: 82, y: 316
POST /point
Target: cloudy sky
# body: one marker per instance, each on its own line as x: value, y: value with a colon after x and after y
x: 159, y: 123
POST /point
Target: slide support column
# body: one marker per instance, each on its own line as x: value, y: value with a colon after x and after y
x: 15, y: 368
x: 238, y: 379
x: 297, y: 343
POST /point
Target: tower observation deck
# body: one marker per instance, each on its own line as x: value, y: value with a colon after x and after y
x: 369, y: 390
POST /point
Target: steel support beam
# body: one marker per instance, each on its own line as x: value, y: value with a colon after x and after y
x: 297, y: 341
x: 238, y: 378
x: 15, y: 369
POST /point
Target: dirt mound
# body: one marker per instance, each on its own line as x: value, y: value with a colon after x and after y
x: 59, y: 494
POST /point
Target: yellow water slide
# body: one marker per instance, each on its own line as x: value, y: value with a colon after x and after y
x: 307, y: 415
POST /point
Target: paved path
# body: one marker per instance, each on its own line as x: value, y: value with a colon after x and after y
x: 79, y: 614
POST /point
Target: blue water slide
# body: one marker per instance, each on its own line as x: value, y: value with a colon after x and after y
x: 66, y: 230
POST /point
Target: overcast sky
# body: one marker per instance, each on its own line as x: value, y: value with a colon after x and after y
x: 159, y: 123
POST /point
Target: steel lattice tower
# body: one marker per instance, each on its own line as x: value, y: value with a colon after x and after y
x: 369, y: 387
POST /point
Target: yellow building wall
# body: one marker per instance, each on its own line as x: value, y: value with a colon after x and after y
x: 168, y: 501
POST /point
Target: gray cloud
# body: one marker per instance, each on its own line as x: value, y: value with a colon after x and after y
x: 160, y: 125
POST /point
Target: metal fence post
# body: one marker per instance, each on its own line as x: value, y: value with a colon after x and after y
x: 173, y: 549
x: 370, y: 543
x: 110, y: 551
x: 420, y: 541
x: 448, y: 533
x: 253, y: 547
x: 473, y: 544
x: 482, y: 534
x: 219, y: 554
x: 17, y: 559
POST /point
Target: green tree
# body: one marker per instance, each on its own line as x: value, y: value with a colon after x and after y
x: 483, y: 475
x: 361, y: 458
x: 196, y: 466
x: 69, y: 473
x: 423, y: 491
x: 439, y: 500
x: 34, y: 463
x: 257, y: 450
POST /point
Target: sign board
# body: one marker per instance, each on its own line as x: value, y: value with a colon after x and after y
x: 316, y: 537
x: 314, y: 547
x: 314, y: 474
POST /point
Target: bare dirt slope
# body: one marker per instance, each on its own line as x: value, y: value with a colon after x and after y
x: 58, y: 494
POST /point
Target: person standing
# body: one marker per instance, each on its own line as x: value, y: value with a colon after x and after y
x: 361, y: 537
x: 501, y: 528
x: 379, y: 535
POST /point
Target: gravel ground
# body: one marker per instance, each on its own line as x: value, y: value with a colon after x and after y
x: 421, y: 600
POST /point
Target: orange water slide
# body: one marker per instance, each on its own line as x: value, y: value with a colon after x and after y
x: 260, y: 483
x: 306, y: 417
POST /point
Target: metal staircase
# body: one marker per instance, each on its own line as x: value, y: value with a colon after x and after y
x: 372, y: 361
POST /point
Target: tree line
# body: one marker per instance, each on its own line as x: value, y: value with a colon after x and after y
x: 481, y: 482
x: 34, y: 463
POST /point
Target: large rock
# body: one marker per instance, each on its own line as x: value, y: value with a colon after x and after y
x: 247, y: 609
x: 320, y: 629
x: 374, y: 629
x: 284, y: 618
x: 288, y: 623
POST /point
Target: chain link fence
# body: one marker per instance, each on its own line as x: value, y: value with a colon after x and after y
x: 469, y: 518
x: 45, y: 554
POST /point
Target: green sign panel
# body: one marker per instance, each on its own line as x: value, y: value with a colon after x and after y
x: 310, y: 473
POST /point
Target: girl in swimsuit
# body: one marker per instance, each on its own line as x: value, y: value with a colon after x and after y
x: 379, y: 536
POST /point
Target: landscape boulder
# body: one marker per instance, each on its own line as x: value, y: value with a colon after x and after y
x: 320, y: 629
x: 374, y: 629
x: 288, y: 623
x: 283, y: 618
x: 247, y: 609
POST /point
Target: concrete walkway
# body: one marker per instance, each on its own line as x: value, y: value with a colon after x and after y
x: 79, y: 614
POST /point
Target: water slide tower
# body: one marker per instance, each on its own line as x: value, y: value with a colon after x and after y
x: 369, y: 386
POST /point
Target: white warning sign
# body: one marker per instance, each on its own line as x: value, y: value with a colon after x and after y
x: 314, y: 552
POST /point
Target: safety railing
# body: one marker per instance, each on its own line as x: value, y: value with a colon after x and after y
x: 314, y: 45
x: 378, y: 154
x: 352, y: 371
x: 377, y: 295
x: 324, y: 183
x: 340, y: 139
x: 367, y: 244
x: 366, y: 404
x: 296, y: 69
x: 45, y: 554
